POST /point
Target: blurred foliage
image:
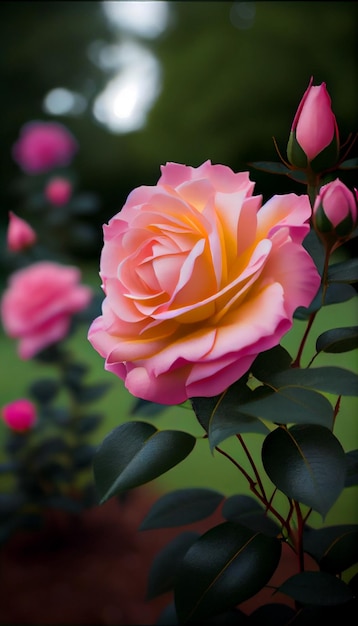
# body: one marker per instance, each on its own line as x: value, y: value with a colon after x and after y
x: 227, y: 88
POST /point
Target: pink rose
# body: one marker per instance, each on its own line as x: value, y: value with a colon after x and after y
x: 20, y: 234
x: 198, y: 281
x: 43, y: 146
x: 37, y: 306
x: 19, y: 415
x: 58, y: 191
x: 314, y: 126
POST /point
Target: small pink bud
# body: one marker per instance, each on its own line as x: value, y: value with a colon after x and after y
x: 335, y: 210
x: 19, y: 415
x: 42, y: 146
x: 20, y: 235
x: 314, y: 129
x: 58, y: 191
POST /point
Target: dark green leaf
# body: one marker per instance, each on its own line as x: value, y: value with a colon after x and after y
x: 183, y: 506
x: 313, y: 461
x: 227, y: 565
x: 335, y: 548
x: 92, y: 392
x: 273, y: 614
x: 336, y: 293
x: 292, y: 405
x: 337, y: 340
x: 315, y: 249
x: 274, y: 360
x: 247, y: 511
x: 44, y: 390
x: 146, y: 408
x: 136, y: 453
x: 88, y: 423
x: 165, y: 563
x: 317, y: 589
x: 344, y: 272
x: 349, y: 164
x: 223, y: 426
x: 272, y: 167
x: 204, y: 408
x: 330, y: 379
x: 83, y: 456
x: 352, y: 468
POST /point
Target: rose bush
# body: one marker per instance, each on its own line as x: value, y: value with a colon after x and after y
x: 199, y: 279
x: 37, y: 306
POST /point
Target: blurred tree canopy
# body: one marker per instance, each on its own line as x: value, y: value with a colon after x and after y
x: 229, y: 83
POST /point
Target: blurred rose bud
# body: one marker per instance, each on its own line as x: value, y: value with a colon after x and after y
x: 335, y: 210
x: 19, y: 415
x: 43, y: 146
x: 314, y: 131
x: 58, y: 191
x: 20, y: 235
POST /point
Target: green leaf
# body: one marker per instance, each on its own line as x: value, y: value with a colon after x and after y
x: 317, y: 589
x: 315, y: 249
x: 336, y: 293
x: 135, y: 453
x: 247, y: 511
x: 335, y: 548
x: 338, y: 340
x: 352, y: 468
x: 292, y: 405
x: 183, y: 506
x: 222, y: 426
x: 146, y: 408
x: 165, y: 563
x: 272, y: 167
x: 349, y: 164
x: 225, y: 566
x: 307, y: 463
x: 204, y: 408
x: 343, y: 272
x: 330, y: 379
x: 274, y: 360
x: 92, y: 392
x: 44, y: 390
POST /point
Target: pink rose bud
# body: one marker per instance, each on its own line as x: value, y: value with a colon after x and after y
x: 58, y: 191
x: 335, y: 210
x: 314, y: 131
x: 42, y: 146
x: 19, y: 415
x: 20, y: 235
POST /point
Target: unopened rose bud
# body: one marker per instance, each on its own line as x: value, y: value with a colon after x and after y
x: 314, y: 136
x: 20, y: 235
x: 335, y: 211
x: 19, y: 415
x: 58, y: 191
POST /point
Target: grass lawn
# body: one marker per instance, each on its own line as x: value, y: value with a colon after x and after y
x: 201, y: 468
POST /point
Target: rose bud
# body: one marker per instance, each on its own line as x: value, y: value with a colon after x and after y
x: 19, y: 415
x: 335, y: 210
x: 43, y: 146
x: 314, y: 131
x: 20, y: 235
x: 58, y: 191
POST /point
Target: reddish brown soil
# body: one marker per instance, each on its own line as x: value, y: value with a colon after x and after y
x: 92, y: 571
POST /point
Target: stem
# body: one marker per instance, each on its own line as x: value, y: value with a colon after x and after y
x: 252, y: 463
x: 296, y: 362
x: 252, y: 486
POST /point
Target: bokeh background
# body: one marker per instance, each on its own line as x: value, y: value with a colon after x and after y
x: 143, y: 83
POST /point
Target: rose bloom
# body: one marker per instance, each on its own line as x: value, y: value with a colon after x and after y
x: 198, y: 281
x: 20, y: 234
x: 339, y: 205
x: 19, y: 415
x: 58, y: 191
x: 37, y: 306
x: 43, y: 146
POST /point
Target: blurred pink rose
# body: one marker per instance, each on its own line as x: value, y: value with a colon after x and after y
x: 335, y: 209
x: 43, y: 146
x: 19, y: 415
x: 58, y: 191
x: 198, y: 281
x: 20, y: 234
x: 37, y: 306
x: 314, y: 126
